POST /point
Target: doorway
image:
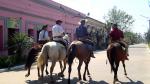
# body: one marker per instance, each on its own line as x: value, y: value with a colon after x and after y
x: 11, y: 32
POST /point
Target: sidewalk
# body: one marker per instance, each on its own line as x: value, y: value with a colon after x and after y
x: 12, y: 68
x: 148, y: 48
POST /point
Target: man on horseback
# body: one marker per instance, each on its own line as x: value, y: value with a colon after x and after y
x: 58, y: 33
x: 116, y: 35
x: 43, y: 35
x: 82, y: 35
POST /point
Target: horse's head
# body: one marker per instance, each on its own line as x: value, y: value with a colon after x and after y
x: 66, y: 39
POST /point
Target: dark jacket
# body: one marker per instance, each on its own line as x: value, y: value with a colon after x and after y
x: 81, y: 31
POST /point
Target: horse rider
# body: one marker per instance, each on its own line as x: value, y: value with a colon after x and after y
x: 82, y: 35
x: 43, y: 35
x: 58, y: 33
x: 116, y: 35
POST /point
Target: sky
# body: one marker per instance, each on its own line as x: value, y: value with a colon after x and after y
x: 139, y: 9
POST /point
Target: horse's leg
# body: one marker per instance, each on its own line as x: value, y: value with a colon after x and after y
x: 79, y: 67
x: 115, y: 72
x: 42, y: 69
x: 123, y: 63
x: 52, y: 68
x: 64, y: 65
x: 88, y: 73
x: 86, y: 67
x: 60, y: 65
x: 69, y: 72
x: 46, y: 68
x: 62, y: 72
x: 28, y: 72
x: 38, y: 72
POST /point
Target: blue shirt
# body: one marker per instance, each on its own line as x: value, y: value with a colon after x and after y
x: 81, y: 31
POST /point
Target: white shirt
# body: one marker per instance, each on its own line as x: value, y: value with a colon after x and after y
x: 57, y: 30
x: 43, y: 36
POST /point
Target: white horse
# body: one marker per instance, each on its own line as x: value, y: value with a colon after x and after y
x: 54, y: 52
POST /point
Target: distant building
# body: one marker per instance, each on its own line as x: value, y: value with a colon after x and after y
x: 29, y: 16
x: 98, y: 32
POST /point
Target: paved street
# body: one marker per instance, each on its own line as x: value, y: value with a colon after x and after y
x: 137, y: 67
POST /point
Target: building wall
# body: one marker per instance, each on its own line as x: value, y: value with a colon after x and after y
x: 34, y: 13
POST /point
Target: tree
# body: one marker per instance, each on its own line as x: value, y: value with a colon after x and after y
x: 133, y: 38
x: 120, y: 17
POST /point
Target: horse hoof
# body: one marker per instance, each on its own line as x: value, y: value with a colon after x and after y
x: 80, y: 79
x: 27, y: 75
x: 116, y: 79
x: 52, y: 81
x: 68, y: 81
x: 88, y: 74
x: 84, y: 79
x: 47, y: 73
x: 61, y: 74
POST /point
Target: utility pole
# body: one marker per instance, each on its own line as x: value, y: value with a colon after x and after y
x: 146, y: 18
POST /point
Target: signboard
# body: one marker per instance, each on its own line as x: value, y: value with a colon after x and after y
x: 13, y: 22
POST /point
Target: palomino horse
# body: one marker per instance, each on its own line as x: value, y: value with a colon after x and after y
x: 79, y: 50
x: 115, y: 55
x: 32, y: 55
x: 54, y: 52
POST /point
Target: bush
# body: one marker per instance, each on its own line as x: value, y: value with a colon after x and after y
x: 9, y: 61
x: 3, y: 62
x: 149, y: 44
x: 20, y: 42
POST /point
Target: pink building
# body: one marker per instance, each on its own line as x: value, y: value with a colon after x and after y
x: 28, y: 16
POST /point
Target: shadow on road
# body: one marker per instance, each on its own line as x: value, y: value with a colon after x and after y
x: 131, y: 82
x: 59, y: 80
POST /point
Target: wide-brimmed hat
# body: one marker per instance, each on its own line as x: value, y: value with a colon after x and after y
x: 58, y: 21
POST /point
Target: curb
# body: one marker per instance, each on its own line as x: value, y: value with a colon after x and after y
x: 148, y: 48
x: 12, y: 68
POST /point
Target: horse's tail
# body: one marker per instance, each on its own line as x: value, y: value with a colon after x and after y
x: 71, y: 53
x: 113, y: 54
x: 42, y: 57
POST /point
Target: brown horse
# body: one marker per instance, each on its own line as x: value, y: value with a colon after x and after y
x: 115, y: 55
x: 79, y: 50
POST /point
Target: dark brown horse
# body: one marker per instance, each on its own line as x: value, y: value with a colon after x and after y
x: 115, y: 55
x: 32, y: 55
x: 79, y: 50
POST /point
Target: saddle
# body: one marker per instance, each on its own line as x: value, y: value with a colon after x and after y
x: 89, y: 44
x: 61, y: 42
x: 115, y: 44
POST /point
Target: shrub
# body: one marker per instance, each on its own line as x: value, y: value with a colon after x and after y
x: 20, y: 42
